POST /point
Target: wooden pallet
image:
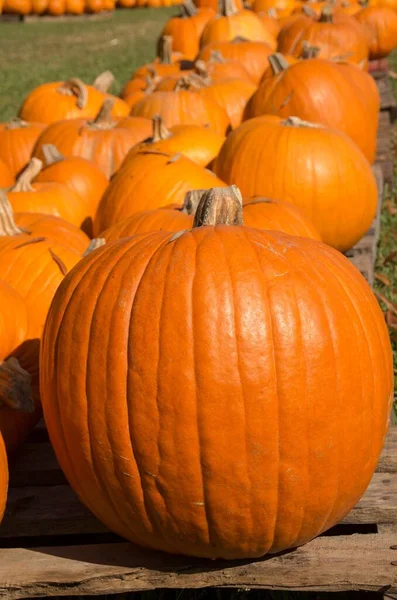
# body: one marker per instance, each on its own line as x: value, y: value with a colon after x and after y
x: 50, y: 545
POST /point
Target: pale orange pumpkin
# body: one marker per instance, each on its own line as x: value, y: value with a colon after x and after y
x: 381, y: 26
x: 17, y: 139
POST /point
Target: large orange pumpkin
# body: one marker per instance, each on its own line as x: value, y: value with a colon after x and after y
x: 200, y: 144
x: 341, y: 97
x: 3, y: 478
x: 337, y: 36
x: 186, y: 29
x: 231, y: 23
x: 105, y: 140
x: 147, y: 180
x: 17, y: 139
x: 183, y: 106
x: 261, y: 213
x: 219, y: 68
x: 269, y: 157
x: 6, y: 177
x: 70, y: 99
x: 222, y: 374
x: 381, y: 26
x: 283, y: 8
x: 252, y: 55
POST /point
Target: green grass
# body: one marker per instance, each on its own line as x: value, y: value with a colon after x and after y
x: 33, y: 53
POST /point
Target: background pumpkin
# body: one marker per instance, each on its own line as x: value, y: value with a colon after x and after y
x: 17, y: 139
x: 334, y: 353
x: 283, y: 8
x: 381, y: 25
x: 186, y: 29
x: 323, y: 92
x: 150, y: 180
x: 20, y: 7
x: 268, y: 157
x: 166, y: 63
x: 219, y: 68
x: 105, y: 140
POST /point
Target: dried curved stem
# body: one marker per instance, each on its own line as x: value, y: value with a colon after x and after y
x: 309, y: 51
x: 16, y: 123
x: 297, y: 122
x: 327, y: 15
x: 160, y: 131
x: 278, y: 63
x: 7, y: 223
x: 75, y: 87
x: 51, y: 154
x: 15, y: 386
x: 104, y: 119
x: 220, y: 206
x: 192, y: 200
x: 188, y: 9
x: 165, y: 50
x: 24, y: 181
x: 94, y: 245
x: 103, y: 81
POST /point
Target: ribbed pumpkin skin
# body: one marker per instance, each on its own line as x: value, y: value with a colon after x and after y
x: 252, y: 55
x: 229, y: 69
x: 263, y: 213
x: 200, y: 144
x: 186, y: 32
x: 150, y: 180
x: 6, y: 177
x: 3, y: 478
x: 82, y: 177
x: 13, y: 320
x: 329, y: 95
x: 53, y: 228
x: 232, y: 95
x: 182, y: 107
x: 245, y: 24
x: 106, y: 148
x: 46, y: 105
x: 205, y: 441
x: 17, y: 142
x: 319, y: 170
x: 165, y: 219
x: 342, y: 37
x: 381, y: 24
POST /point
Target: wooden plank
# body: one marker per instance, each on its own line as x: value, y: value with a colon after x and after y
x: 387, y: 99
x: 384, y: 152
x: 388, y: 459
x: 36, y: 465
x: 355, y: 562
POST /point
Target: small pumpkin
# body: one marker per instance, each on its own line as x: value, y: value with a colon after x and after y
x: 39, y: 6
x: 231, y: 23
x: 70, y: 99
x: 200, y: 144
x: 339, y: 96
x: 104, y: 140
x: 150, y: 179
x: 75, y: 7
x: 337, y: 36
x: 183, y: 106
x: 268, y: 156
x: 166, y: 63
x: 145, y: 318
x: 17, y: 139
x: 186, y: 29
x: 381, y: 26
x: 56, y: 8
x: 6, y: 177
x: 252, y: 55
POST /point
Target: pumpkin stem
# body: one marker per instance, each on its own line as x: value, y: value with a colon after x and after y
x: 272, y: 13
x: 220, y: 206
x: 327, y: 15
x: 309, y: 51
x: 104, y: 119
x: 188, y: 9
x: 227, y: 8
x: 216, y: 56
x: 7, y: 223
x: 160, y: 131
x: 15, y: 386
x: 24, y: 181
x: 165, y: 50
x: 258, y: 200
x: 278, y: 63
x: 74, y: 87
x: 16, y: 123
x: 201, y: 68
x: 103, y: 81
x: 191, y: 202
x: 297, y: 122
x: 51, y: 154
x: 93, y: 245
x: 308, y: 11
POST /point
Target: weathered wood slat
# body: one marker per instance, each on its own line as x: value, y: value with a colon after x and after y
x: 387, y: 99
x: 355, y: 562
x: 384, y: 154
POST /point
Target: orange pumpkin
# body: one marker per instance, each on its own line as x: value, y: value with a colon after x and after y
x: 17, y: 139
x: 337, y: 36
x: 186, y: 29
x: 138, y: 88
x: 214, y: 4
x: 252, y: 55
x: 200, y: 144
x: 49, y: 197
x: 105, y: 141
x: 350, y: 8
x: 219, y: 68
x: 39, y: 6
x: 166, y: 63
x: 385, y: 4
x: 381, y: 26
x: 183, y: 106
x: 268, y: 156
x: 150, y: 179
x: 6, y: 177
x: 231, y: 23
x: 270, y: 22
x: 75, y: 7
x: 283, y: 8
x: 126, y: 3
x: 245, y: 362
x: 93, y: 6
x: 56, y: 7
x: 3, y: 478
x: 323, y: 92
x: 71, y: 99
x: 20, y: 7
